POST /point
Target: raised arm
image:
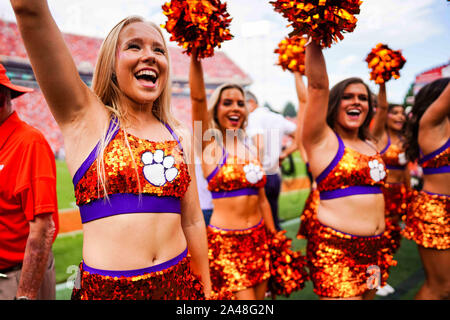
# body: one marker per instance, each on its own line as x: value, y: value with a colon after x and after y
x: 315, y: 127
x: 301, y: 90
x: 198, y: 94
x: 434, y: 124
x: 379, y: 121
x: 438, y: 112
x: 52, y: 63
x: 302, y: 94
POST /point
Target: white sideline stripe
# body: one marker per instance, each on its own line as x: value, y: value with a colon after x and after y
x: 65, y: 285
x: 290, y: 222
x: 69, y: 234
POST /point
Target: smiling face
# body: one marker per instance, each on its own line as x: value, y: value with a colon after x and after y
x: 141, y: 63
x: 353, y: 107
x: 396, y: 118
x: 231, y: 110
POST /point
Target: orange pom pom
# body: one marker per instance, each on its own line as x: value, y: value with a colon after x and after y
x: 291, y: 54
x: 385, y: 63
x: 200, y: 24
x: 288, y: 267
x: 323, y: 20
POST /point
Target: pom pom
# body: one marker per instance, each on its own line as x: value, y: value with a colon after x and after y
x: 224, y: 294
x: 323, y: 20
x: 201, y: 24
x: 385, y: 63
x: 291, y: 54
x: 288, y: 273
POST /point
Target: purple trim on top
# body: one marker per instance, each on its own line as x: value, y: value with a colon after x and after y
x: 137, y: 272
x: 255, y: 226
x: 220, y: 165
x: 93, y: 155
x: 247, y: 145
x: 349, y: 191
x: 444, y: 169
x: 123, y: 203
x: 434, y: 153
x: 436, y: 194
x: 174, y: 135
x: 334, y: 162
x: 392, y: 167
x: 234, y: 193
x: 387, y: 145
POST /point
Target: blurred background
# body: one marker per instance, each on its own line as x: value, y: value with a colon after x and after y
x: 417, y: 27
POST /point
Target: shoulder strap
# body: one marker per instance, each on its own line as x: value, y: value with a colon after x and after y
x: 335, y: 160
x: 222, y: 161
x: 434, y: 153
x: 387, y: 145
x: 248, y: 146
x: 112, y: 131
x: 174, y: 135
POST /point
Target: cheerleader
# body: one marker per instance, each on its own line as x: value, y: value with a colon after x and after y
x: 309, y: 212
x: 143, y: 232
x: 387, y: 131
x: 428, y: 218
x: 346, y: 248
x: 241, y: 228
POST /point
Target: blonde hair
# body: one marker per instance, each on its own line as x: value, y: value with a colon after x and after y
x: 104, y: 85
x: 213, y: 104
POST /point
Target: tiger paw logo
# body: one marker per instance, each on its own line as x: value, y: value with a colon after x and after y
x: 253, y: 173
x: 402, y: 159
x: 158, y: 169
x: 377, y: 172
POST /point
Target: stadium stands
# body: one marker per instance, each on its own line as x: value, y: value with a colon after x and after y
x: 33, y: 109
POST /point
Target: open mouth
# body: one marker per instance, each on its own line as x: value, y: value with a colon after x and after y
x: 147, y: 77
x: 353, y: 112
x: 234, y: 119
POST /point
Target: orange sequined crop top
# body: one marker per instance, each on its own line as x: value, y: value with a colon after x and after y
x: 351, y: 173
x: 161, y: 175
x: 393, y: 156
x: 235, y: 177
x: 437, y: 161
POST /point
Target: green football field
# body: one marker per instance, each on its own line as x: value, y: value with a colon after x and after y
x: 406, y: 277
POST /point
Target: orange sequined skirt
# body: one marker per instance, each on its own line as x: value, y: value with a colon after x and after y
x: 238, y: 259
x: 396, y: 199
x: 176, y: 282
x: 343, y: 265
x: 309, y: 214
x: 428, y: 220
x: 241, y: 259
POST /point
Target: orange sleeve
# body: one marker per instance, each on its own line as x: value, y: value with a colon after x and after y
x: 36, y: 179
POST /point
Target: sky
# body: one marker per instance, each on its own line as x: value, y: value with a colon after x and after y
x: 419, y: 28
